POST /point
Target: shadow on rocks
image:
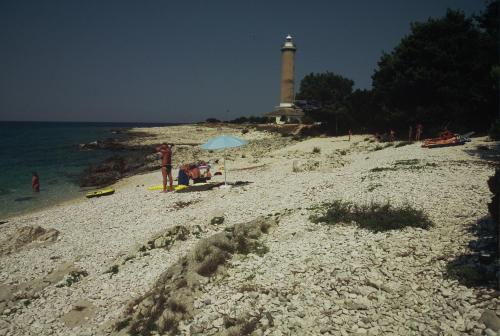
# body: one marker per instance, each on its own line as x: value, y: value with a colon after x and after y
x: 478, y: 268
x: 489, y: 152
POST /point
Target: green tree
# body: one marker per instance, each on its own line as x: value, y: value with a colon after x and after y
x: 330, y: 91
x: 363, y: 112
x: 489, y: 22
x: 440, y: 74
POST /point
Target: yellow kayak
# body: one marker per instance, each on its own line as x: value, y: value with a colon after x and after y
x: 160, y: 187
x: 101, y: 192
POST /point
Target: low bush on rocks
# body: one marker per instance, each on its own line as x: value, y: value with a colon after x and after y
x: 403, y: 143
x: 217, y: 220
x: 240, y: 326
x: 381, y: 169
x: 374, y: 186
x: 246, y: 246
x: 316, y: 150
x: 412, y: 164
x: 374, y: 217
x: 172, y: 297
x: 167, y: 238
x: 212, y: 252
x: 73, y: 277
x: 181, y: 204
x: 114, y: 269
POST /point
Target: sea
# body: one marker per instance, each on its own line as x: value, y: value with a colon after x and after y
x: 52, y: 150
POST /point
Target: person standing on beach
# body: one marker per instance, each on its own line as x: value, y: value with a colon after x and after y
x: 392, y: 135
x: 418, y: 133
x: 166, y: 164
x: 35, y: 182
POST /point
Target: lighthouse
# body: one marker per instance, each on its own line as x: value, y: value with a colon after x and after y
x: 287, y: 112
x: 287, y: 72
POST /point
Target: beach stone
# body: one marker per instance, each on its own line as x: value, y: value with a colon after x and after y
x: 160, y: 242
x: 325, y: 329
x: 360, y: 303
x: 5, y: 293
x: 491, y: 320
x: 360, y: 331
x: 218, y: 322
x: 490, y: 332
x: 27, y: 235
x: 374, y: 331
x: 237, y: 296
x: 363, y: 291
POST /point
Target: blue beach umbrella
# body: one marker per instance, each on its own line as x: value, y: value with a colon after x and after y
x: 223, y: 142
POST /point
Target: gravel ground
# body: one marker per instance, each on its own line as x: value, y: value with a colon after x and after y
x: 315, y: 279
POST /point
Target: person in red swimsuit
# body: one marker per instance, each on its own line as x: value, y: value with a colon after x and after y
x: 35, y: 182
x: 166, y: 164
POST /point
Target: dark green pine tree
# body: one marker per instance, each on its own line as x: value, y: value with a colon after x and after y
x: 440, y: 75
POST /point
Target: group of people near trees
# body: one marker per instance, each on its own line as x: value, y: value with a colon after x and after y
x: 391, y: 135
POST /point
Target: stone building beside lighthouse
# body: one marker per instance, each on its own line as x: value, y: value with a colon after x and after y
x: 287, y: 112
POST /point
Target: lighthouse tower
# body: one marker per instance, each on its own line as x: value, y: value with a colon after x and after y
x: 287, y: 112
x: 287, y: 73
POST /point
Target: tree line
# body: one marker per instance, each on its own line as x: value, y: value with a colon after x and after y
x: 444, y: 73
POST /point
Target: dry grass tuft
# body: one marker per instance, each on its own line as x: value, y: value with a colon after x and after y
x: 240, y: 326
x: 374, y: 217
x: 181, y: 204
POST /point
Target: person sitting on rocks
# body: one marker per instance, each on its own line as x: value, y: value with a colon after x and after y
x: 195, y: 174
x: 183, y: 178
x: 208, y: 174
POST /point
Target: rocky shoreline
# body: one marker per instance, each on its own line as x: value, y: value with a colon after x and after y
x: 131, y: 156
x: 185, y: 264
x: 125, y: 160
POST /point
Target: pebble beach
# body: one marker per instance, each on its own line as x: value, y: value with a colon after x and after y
x: 310, y: 278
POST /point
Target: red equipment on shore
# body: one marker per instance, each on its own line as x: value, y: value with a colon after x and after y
x: 447, y: 138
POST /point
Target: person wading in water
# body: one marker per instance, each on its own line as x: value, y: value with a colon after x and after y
x: 166, y: 164
x: 35, y: 182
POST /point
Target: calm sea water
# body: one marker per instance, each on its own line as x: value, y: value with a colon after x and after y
x: 51, y: 149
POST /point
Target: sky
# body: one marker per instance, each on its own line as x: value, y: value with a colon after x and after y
x: 186, y: 61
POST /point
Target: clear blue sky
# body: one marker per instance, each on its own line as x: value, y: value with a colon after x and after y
x: 185, y: 61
